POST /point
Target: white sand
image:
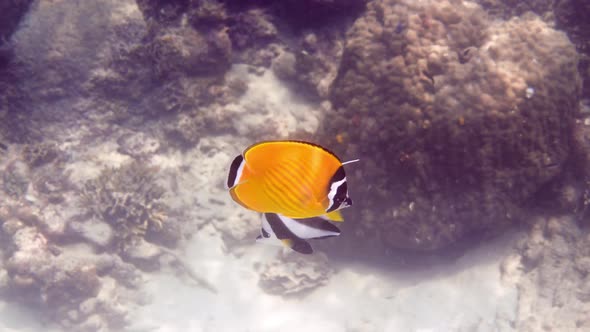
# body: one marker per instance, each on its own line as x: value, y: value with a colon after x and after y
x: 17, y: 318
x: 467, y: 295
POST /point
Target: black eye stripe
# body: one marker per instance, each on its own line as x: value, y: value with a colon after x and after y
x: 233, y: 171
x: 338, y: 176
x: 340, y: 196
x: 341, y: 192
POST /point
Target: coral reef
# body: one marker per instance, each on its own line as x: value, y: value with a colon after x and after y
x: 570, y: 16
x: 459, y: 120
x: 253, y: 29
x: 186, y: 51
x: 313, y: 64
x: 68, y: 283
x: 552, y: 272
x: 291, y: 274
x: 129, y: 200
x: 200, y: 48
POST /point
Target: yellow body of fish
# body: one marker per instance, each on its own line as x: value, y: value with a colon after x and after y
x: 290, y: 178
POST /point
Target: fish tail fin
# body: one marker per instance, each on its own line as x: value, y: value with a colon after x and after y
x: 333, y: 216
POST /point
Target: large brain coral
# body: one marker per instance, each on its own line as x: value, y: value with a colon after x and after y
x: 458, y: 119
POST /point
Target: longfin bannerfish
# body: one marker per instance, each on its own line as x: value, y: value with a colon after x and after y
x: 292, y: 233
x: 294, y: 179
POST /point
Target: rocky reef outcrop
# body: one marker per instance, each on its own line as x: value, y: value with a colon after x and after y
x: 43, y: 264
x: 551, y: 270
x: 458, y: 119
x: 571, y: 16
x: 293, y: 275
x: 11, y: 13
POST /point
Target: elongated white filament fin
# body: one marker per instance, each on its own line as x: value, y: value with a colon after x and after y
x: 350, y: 161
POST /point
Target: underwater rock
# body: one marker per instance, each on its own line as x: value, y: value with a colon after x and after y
x: 11, y: 13
x: 450, y: 146
x: 93, y: 231
x: 510, y: 8
x: 180, y: 95
x: 254, y: 37
x: 240, y: 229
x: 142, y: 254
x: 36, y: 155
x: 313, y: 65
x: 206, y: 13
x: 200, y: 48
x: 551, y: 271
x: 186, y: 51
x: 15, y: 179
x: 300, y: 14
x: 138, y: 144
x: 251, y: 28
x: 60, y: 280
x: 284, y: 65
x: 291, y: 274
x: 41, y: 276
x: 570, y: 16
x: 187, y: 129
x: 162, y: 12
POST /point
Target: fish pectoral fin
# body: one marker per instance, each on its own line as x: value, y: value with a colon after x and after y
x: 333, y: 216
x: 298, y: 245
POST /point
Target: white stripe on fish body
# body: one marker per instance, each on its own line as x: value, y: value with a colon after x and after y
x: 304, y: 231
x: 298, y: 228
x: 333, y: 191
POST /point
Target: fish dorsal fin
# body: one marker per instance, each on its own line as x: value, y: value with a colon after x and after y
x: 350, y: 162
